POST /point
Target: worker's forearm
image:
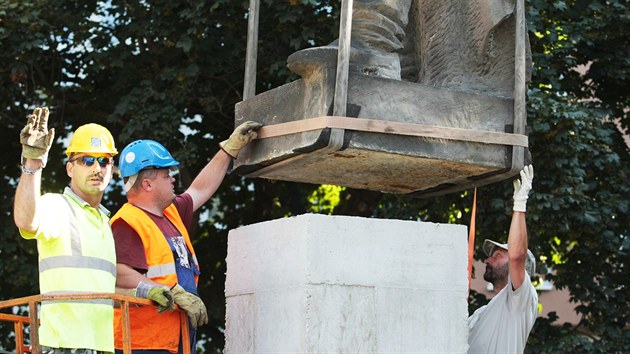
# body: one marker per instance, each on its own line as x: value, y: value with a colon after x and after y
x: 26, y: 196
x: 517, y: 237
x: 125, y: 291
x: 129, y: 278
x: 517, y: 249
x: 209, y: 179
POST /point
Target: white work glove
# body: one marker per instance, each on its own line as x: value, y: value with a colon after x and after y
x: 241, y: 136
x: 35, y: 137
x: 522, y: 188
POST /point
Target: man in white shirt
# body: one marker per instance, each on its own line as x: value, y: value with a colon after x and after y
x: 503, y: 325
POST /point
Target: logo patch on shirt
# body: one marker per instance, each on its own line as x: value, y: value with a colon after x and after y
x: 182, y: 252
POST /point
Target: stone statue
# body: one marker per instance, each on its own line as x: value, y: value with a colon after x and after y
x: 457, y: 44
x: 452, y: 72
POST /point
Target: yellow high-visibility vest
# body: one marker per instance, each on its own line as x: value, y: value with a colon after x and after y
x: 76, y: 255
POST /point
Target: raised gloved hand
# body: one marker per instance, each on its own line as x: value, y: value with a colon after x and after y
x: 35, y: 137
x: 192, y: 304
x: 160, y: 294
x: 241, y: 136
x: 522, y: 188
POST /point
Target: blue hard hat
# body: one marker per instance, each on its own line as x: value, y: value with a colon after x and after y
x: 142, y: 154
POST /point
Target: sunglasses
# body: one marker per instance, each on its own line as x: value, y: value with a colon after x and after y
x: 90, y: 160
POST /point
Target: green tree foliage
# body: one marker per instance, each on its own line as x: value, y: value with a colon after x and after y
x: 173, y: 70
x: 582, y: 222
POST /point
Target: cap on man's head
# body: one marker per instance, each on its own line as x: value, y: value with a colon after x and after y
x: 489, y: 246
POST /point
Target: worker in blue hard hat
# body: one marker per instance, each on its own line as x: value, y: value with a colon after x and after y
x: 155, y: 256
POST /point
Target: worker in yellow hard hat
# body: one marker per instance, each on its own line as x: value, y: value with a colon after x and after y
x: 74, y: 239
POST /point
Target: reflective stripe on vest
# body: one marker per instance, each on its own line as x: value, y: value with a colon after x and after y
x: 77, y: 262
x: 161, y: 270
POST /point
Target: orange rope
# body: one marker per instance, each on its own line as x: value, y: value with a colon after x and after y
x: 471, y: 238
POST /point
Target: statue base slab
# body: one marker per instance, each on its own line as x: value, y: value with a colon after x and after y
x: 339, y: 284
x: 389, y: 159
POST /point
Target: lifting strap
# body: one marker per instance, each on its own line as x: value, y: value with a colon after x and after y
x: 388, y: 127
x: 471, y: 238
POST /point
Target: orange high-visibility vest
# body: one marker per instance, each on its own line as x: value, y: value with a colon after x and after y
x: 150, y: 329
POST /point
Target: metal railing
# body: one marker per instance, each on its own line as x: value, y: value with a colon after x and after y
x: 32, y: 320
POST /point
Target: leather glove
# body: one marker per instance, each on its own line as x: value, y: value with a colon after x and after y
x: 192, y: 304
x: 35, y: 137
x: 522, y: 188
x: 160, y: 294
x: 241, y: 136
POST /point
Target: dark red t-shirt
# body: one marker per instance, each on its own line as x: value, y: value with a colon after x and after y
x: 129, y: 248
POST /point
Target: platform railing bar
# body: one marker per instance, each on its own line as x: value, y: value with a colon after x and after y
x: 33, y: 321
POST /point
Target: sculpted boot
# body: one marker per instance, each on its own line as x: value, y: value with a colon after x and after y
x: 376, y: 38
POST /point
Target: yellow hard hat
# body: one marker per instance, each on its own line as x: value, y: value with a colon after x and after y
x: 92, y: 138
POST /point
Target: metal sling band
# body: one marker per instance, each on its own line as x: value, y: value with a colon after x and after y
x: 389, y: 127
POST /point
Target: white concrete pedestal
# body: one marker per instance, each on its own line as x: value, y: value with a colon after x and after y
x: 324, y: 284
